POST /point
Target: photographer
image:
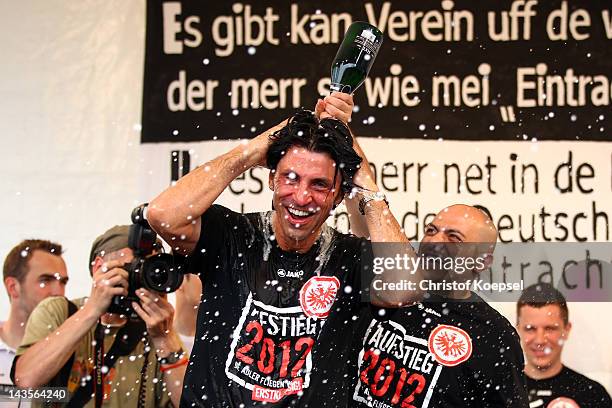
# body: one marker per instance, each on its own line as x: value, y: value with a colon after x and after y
x: 139, y: 369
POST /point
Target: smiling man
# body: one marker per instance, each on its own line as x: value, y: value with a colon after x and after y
x: 452, y: 349
x: 271, y: 279
x: 305, y: 181
x: 544, y: 326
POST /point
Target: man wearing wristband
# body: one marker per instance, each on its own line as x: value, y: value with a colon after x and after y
x: 276, y: 282
x: 137, y: 369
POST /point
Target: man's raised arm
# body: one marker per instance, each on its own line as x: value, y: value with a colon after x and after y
x: 374, y: 219
x: 175, y: 213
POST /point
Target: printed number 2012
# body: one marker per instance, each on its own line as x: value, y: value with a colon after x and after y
x: 303, y: 345
x: 381, y: 389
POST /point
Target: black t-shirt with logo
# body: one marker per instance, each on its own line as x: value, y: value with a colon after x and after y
x: 439, y: 353
x: 568, y: 389
x: 254, y: 344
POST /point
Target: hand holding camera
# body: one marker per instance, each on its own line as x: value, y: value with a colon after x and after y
x: 158, y: 314
x: 145, y: 266
x: 110, y: 280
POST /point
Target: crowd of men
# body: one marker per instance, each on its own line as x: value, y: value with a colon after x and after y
x: 288, y: 314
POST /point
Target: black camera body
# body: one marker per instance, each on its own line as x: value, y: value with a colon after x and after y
x: 150, y: 269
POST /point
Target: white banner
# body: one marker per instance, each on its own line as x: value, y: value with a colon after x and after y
x: 73, y: 164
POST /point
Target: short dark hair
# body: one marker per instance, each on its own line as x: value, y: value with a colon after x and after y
x: 15, y: 263
x: 329, y: 136
x: 540, y: 295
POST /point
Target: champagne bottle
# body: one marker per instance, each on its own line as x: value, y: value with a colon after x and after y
x: 355, y: 57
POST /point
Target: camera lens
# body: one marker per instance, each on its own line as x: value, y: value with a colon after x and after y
x: 161, y: 274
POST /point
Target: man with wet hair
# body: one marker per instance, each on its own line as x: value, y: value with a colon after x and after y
x: 272, y: 279
x: 451, y: 349
x: 542, y: 320
x: 143, y: 363
x: 33, y: 270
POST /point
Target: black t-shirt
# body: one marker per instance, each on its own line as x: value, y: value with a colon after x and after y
x: 438, y: 353
x: 568, y: 389
x: 253, y: 341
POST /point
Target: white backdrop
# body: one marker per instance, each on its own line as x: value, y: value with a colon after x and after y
x: 71, y: 86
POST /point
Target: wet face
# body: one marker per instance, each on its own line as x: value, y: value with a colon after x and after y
x: 543, y: 334
x: 448, y: 235
x: 46, y: 276
x: 304, y: 193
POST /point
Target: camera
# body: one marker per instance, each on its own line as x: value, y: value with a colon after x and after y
x: 150, y: 269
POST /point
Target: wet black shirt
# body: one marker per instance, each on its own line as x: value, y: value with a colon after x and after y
x: 568, y: 389
x: 440, y: 353
x: 253, y: 341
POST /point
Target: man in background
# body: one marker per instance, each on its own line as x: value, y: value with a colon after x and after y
x: 544, y: 326
x: 33, y: 270
x: 452, y: 349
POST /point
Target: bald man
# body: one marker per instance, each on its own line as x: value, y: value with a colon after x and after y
x: 450, y: 350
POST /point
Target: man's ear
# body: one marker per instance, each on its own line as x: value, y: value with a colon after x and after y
x: 271, y: 180
x: 566, y: 330
x: 13, y: 287
x: 96, y: 264
x: 338, y: 200
x: 518, y: 317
